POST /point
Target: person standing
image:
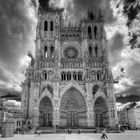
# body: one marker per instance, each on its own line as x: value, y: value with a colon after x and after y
x: 104, y: 136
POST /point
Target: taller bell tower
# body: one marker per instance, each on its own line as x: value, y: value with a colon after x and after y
x: 48, y: 32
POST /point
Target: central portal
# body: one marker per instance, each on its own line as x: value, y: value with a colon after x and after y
x: 73, y: 109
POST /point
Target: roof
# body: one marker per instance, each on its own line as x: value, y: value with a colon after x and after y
x: 129, y: 106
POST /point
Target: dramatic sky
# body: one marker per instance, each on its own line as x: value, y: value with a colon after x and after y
x: 122, y: 24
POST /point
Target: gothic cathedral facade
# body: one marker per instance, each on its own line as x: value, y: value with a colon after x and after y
x: 69, y: 82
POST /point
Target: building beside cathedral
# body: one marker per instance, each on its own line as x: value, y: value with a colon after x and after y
x: 69, y: 82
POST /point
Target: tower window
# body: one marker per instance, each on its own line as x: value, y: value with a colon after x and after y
x: 62, y: 76
x: 98, y: 76
x: 90, y: 51
x: 89, y: 33
x: 45, y: 51
x: 95, y: 32
x: 45, y: 75
x: 46, y: 26
x: 51, y: 26
x: 52, y: 51
x: 96, y: 51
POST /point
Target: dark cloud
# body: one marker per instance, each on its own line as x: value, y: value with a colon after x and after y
x: 16, y: 34
x: 44, y: 3
x: 131, y: 8
x: 128, y: 98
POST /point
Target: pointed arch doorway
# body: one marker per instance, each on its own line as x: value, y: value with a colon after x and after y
x: 73, y: 112
x: 101, y: 112
x: 45, y: 112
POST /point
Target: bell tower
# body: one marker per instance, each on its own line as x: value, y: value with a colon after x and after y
x: 48, y: 31
x: 93, y: 35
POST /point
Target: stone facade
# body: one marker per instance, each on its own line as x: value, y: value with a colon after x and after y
x: 69, y: 82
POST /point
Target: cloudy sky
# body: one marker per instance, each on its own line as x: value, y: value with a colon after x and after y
x: 122, y: 17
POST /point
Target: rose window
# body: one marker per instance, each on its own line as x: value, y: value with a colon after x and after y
x: 71, y: 52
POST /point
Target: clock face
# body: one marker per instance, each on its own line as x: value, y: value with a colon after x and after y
x: 71, y: 52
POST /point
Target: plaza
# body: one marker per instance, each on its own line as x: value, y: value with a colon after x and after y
x: 128, y: 135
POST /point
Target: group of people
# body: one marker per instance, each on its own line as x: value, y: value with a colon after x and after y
x: 70, y: 131
x: 103, y: 136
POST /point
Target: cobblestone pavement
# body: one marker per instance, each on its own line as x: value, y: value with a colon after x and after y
x: 129, y: 135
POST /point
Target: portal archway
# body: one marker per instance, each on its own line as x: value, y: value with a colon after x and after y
x: 101, y: 112
x: 73, y: 110
x: 45, y: 112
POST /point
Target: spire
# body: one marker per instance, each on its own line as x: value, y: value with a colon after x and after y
x: 90, y: 15
x: 45, y: 6
x: 100, y: 17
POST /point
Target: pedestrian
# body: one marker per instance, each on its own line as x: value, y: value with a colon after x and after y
x: 104, y: 136
x: 79, y: 131
x: 38, y: 132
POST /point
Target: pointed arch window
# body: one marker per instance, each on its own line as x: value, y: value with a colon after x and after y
x: 90, y: 51
x: 52, y: 51
x: 98, y: 76
x: 96, y: 51
x: 74, y: 76
x: 95, y: 32
x: 64, y: 76
x: 45, y: 75
x: 46, y: 51
x: 46, y: 26
x: 89, y: 33
x: 95, y: 89
x: 69, y: 76
x: 79, y: 76
x: 51, y: 26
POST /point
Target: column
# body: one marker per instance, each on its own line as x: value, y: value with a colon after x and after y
x: 35, y: 120
x: 90, y: 114
x: 56, y: 112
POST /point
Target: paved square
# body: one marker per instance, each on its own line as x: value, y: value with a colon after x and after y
x: 128, y: 135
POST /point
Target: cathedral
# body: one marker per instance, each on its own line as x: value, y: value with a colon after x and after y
x: 69, y: 82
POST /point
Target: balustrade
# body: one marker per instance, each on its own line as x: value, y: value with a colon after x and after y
x: 92, y: 62
x: 47, y: 62
x: 71, y: 63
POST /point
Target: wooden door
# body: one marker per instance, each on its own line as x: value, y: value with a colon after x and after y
x: 72, y: 118
x: 69, y: 118
x: 75, y: 118
x: 99, y: 120
x: 45, y: 120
